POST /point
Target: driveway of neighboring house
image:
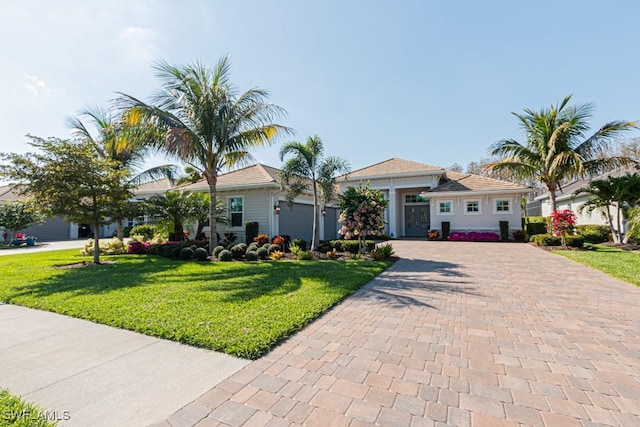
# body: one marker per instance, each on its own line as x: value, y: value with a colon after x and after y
x: 454, y: 333
x: 45, y: 246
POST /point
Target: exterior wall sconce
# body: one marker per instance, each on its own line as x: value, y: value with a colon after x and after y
x: 276, y: 209
x: 323, y: 211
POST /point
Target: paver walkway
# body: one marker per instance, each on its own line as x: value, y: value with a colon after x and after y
x: 455, y: 334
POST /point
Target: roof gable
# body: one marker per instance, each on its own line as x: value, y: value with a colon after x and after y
x: 459, y: 182
x: 254, y: 175
x: 394, y: 166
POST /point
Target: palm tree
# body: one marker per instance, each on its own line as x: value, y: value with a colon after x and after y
x: 308, y: 166
x: 171, y: 210
x: 199, y: 118
x: 556, y: 148
x: 190, y: 176
x: 201, y: 204
x: 623, y: 192
x: 115, y: 142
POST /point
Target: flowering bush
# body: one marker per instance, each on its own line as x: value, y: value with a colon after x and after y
x: 563, y: 223
x: 362, y: 213
x: 261, y: 239
x: 474, y: 236
x: 136, y: 247
x: 433, y: 235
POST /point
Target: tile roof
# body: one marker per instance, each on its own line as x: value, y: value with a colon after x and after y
x: 472, y: 182
x: 393, y: 166
x: 9, y: 193
x: 157, y: 186
x: 253, y: 175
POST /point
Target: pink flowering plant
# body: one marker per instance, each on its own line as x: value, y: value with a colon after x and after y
x: 563, y: 222
x: 362, y: 213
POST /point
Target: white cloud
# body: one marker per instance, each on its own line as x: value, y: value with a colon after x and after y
x: 138, y: 44
x: 35, y: 86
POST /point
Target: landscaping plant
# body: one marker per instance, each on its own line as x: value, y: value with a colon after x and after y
x: 362, y: 213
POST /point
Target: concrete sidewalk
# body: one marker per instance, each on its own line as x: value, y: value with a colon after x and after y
x: 99, y: 375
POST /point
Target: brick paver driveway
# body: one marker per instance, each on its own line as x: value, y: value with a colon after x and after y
x: 453, y: 334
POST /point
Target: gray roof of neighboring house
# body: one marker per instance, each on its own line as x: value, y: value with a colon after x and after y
x: 393, y: 167
x: 10, y: 193
x: 463, y: 182
x: 153, y: 187
x: 566, y: 191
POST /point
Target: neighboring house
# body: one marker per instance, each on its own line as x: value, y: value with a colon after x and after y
x: 566, y: 200
x: 421, y: 197
x: 254, y: 194
x: 57, y: 228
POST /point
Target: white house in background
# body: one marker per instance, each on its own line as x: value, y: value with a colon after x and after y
x: 421, y: 197
x: 566, y: 200
x: 254, y: 194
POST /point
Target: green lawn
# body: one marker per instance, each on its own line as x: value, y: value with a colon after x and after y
x: 620, y: 264
x: 15, y: 412
x: 239, y: 308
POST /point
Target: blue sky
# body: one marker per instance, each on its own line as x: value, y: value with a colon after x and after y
x: 429, y: 81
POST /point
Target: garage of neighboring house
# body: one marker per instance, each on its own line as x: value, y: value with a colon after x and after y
x: 296, y: 221
x: 51, y: 229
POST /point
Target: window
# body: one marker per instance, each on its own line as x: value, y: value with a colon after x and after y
x: 445, y: 207
x: 472, y: 207
x: 503, y: 206
x: 236, y: 209
x: 415, y: 198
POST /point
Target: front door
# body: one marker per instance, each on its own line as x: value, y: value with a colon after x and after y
x: 416, y: 220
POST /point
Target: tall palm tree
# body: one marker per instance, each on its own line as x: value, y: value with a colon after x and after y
x: 114, y: 142
x: 198, y: 117
x: 308, y: 166
x: 556, y: 147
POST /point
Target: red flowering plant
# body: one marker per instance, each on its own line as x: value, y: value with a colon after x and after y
x: 563, y: 222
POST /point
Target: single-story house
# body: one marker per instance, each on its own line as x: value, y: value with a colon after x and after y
x: 421, y: 197
x: 254, y: 194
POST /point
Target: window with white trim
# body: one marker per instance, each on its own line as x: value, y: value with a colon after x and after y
x: 236, y: 211
x: 472, y: 207
x: 502, y: 206
x: 445, y: 207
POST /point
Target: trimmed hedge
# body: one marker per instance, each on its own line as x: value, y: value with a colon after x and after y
x: 546, y: 240
x: 593, y: 233
x: 351, y: 245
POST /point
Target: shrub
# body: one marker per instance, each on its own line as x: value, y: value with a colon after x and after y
x: 266, y: 245
x: 295, y: 249
x: 262, y: 253
x: 281, y: 241
x: 547, y: 240
x: 276, y: 255
x: 536, y: 225
x: 504, y: 230
x: 186, y: 254
x: 217, y: 250
x: 433, y: 235
x: 383, y: 252
x: 251, y: 256
x: 140, y: 248
x: 261, y: 239
x: 175, y: 252
x: 251, y: 229
x: 300, y: 243
x: 273, y: 248
x: 107, y: 247
x: 474, y: 236
x: 200, y: 254
x: 225, y: 255
x: 252, y: 247
x: 305, y: 256
x: 575, y: 241
x: 145, y: 230
x: 332, y: 254
x: 351, y: 246
x: 593, y: 233
x: 238, y: 251
x: 519, y: 235
x: 229, y: 239
x: 325, y: 246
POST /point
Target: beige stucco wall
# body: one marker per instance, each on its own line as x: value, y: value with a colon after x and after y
x: 487, y: 220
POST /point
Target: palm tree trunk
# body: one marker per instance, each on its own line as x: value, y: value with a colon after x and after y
x: 619, y: 221
x: 316, y: 231
x: 212, y: 180
x: 552, y: 197
x: 96, y: 243
x: 610, y: 220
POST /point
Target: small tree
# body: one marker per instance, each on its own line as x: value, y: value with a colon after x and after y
x: 71, y: 179
x: 17, y: 215
x: 562, y: 223
x: 362, y: 213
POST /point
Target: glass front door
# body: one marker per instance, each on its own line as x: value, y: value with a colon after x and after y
x: 416, y: 220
